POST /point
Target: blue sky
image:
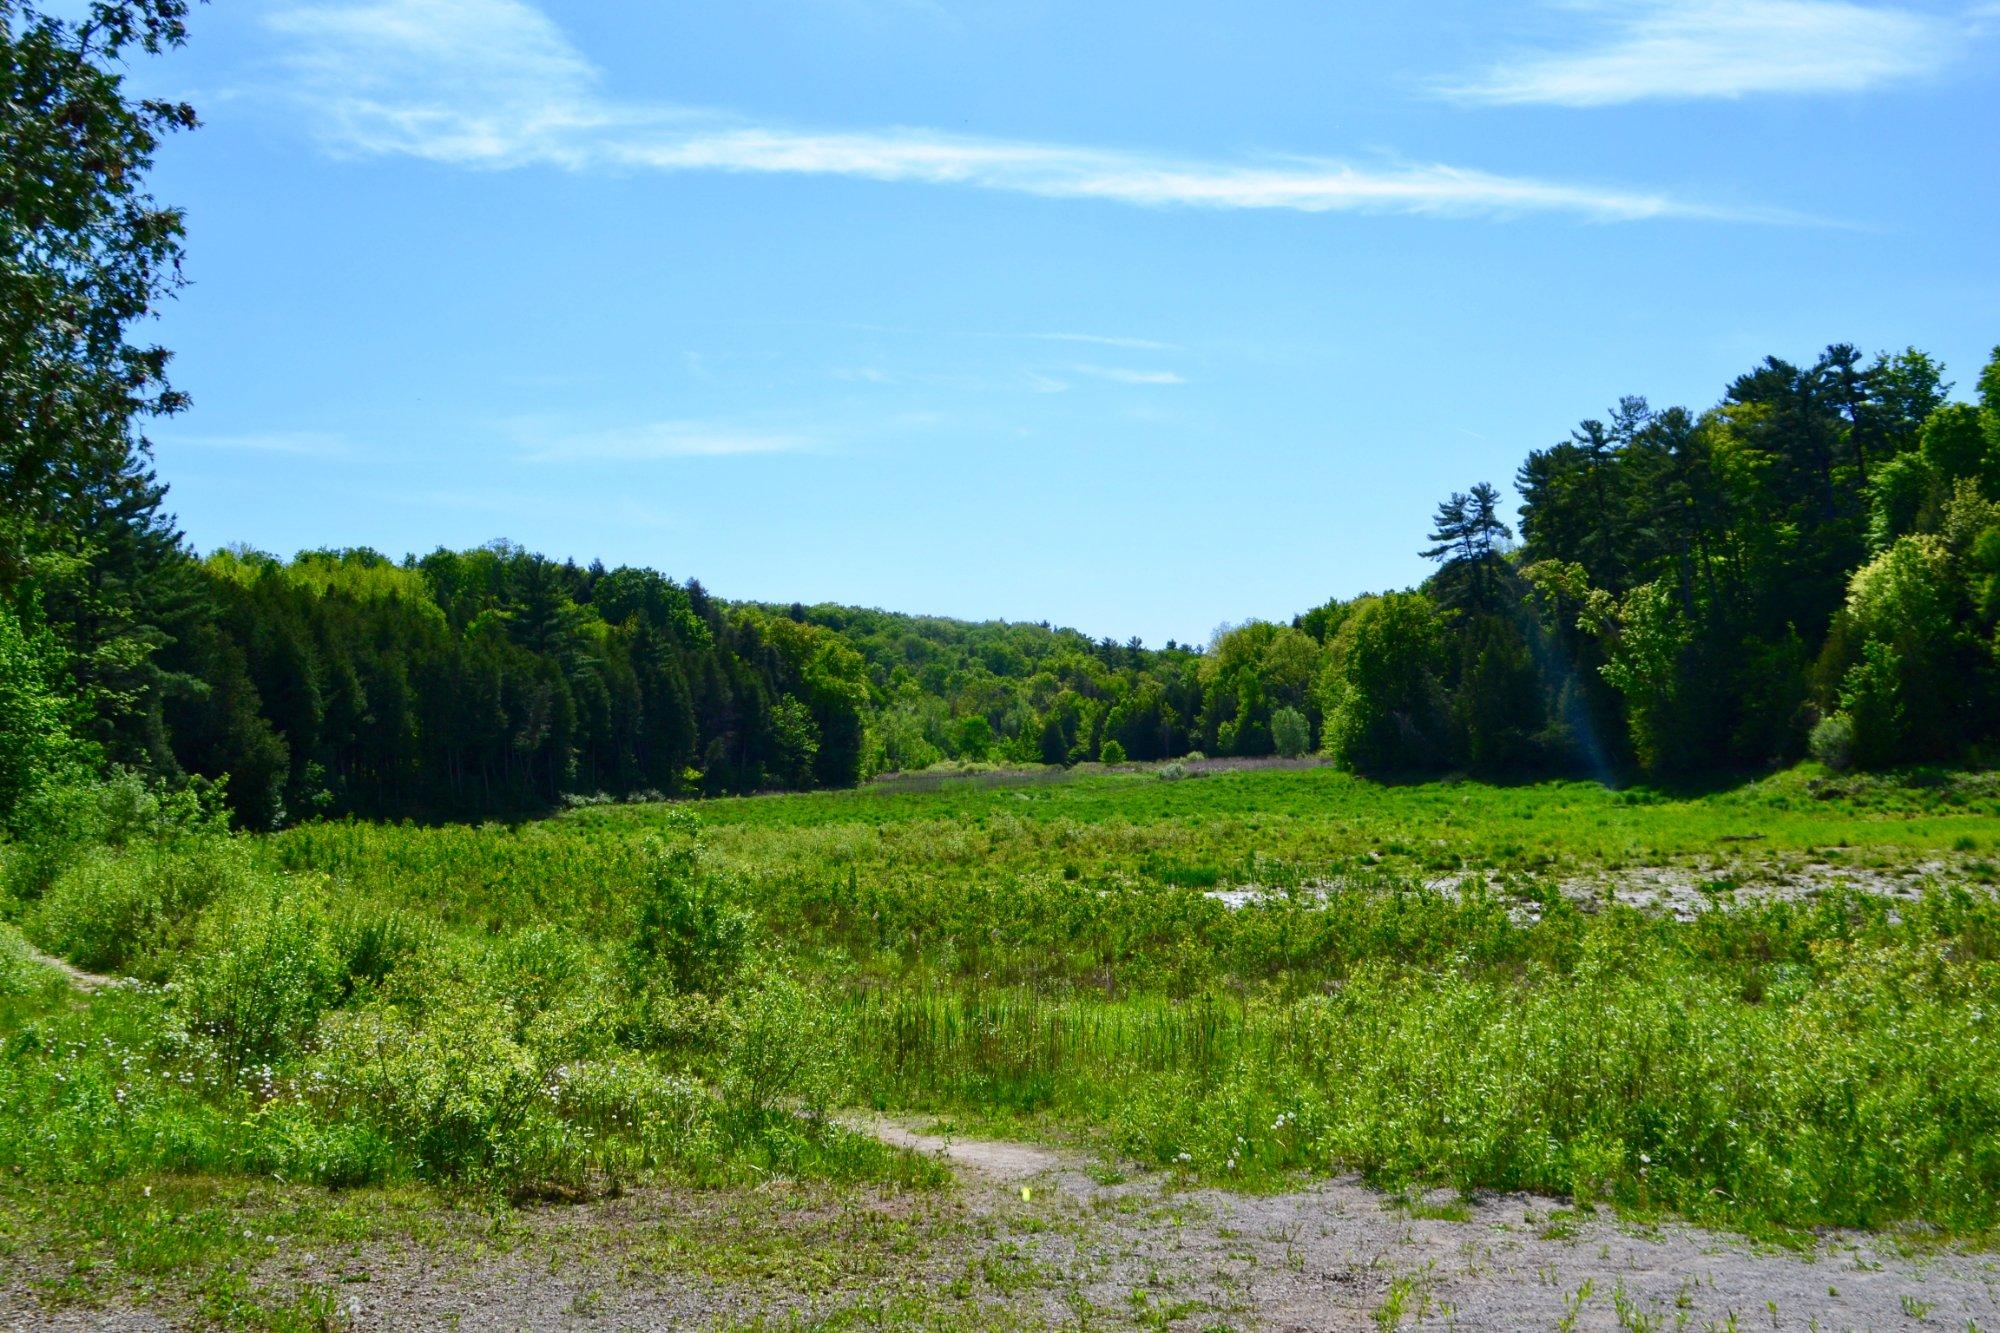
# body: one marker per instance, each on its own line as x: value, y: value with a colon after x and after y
x: 1135, y: 317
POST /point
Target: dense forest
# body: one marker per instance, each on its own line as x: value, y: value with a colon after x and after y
x: 1810, y: 565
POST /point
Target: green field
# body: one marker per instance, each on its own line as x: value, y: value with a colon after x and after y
x: 344, y: 1025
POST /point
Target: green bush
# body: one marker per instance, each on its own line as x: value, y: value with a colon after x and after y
x: 689, y: 935
x: 37, y: 746
x: 136, y: 911
x: 1111, y: 752
x: 450, y: 1091
x: 638, y: 1117
x: 1291, y: 734
x: 785, y: 1049
x: 563, y: 1002
x: 20, y: 972
x: 270, y: 967
x: 1832, y: 742
x: 68, y: 820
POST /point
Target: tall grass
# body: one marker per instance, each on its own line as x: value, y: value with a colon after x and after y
x: 568, y: 1005
x: 1860, y: 1085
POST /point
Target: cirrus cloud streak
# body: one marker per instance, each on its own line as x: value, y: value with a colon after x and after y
x: 1682, y: 50
x: 495, y: 84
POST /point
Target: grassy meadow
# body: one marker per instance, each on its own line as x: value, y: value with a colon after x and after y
x: 345, y: 1020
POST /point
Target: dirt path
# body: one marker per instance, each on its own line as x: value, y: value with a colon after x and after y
x: 15, y: 943
x: 1340, y: 1255
x: 985, y: 1159
x: 88, y: 982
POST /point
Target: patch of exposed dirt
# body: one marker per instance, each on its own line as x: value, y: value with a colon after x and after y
x: 1688, y: 891
x: 1340, y: 1255
x: 88, y: 982
x: 1038, y: 1237
x: 991, y: 1159
x: 20, y: 1311
x: 1683, y: 891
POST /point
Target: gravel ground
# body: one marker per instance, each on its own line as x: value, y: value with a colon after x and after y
x: 1038, y: 1238
x: 1341, y: 1255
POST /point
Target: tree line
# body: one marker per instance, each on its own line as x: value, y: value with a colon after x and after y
x: 1811, y: 565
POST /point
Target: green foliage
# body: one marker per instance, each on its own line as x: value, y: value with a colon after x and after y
x: 1678, y: 573
x: 271, y: 965
x: 899, y: 742
x: 1111, y: 752
x: 785, y: 1051
x: 496, y: 682
x: 20, y: 973
x: 1833, y: 742
x: 689, y: 934
x: 353, y: 1003
x: 1468, y: 533
x: 1631, y: 1073
x: 89, y: 255
x: 1901, y: 608
x: 37, y: 747
x: 1647, y: 666
x: 1380, y: 691
x: 1902, y: 490
x: 1291, y: 733
x: 1954, y: 442
x: 796, y: 736
x: 137, y: 910
x: 64, y: 823
x: 972, y: 738
x: 453, y: 1088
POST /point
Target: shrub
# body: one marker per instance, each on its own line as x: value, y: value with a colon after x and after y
x: 1173, y: 772
x: 1111, y: 752
x: 373, y: 943
x: 690, y: 935
x: 36, y: 744
x: 20, y: 973
x: 66, y: 820
x: 1832, y: 742
x: 784, y: 1045
x: 1291, y: 734
x: 451, y: 1095
x: 270, y: 969
x: 636, y: 1117
x: 561, y: 998
x: 134, y: 911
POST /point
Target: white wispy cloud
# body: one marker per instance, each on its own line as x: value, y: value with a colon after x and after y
x: 296, y: 443
x: 493, y: 83
x: 651, y: 441
x: 1121, y: 375
x: 1685, y: 49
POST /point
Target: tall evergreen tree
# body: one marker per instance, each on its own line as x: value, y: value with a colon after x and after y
x: 88, y: 254
x: 1467, y: 534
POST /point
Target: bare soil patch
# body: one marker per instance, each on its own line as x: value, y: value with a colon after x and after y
x: 1683, y: 891
x: 1036, y: 1237
x: 1341, y: 1255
